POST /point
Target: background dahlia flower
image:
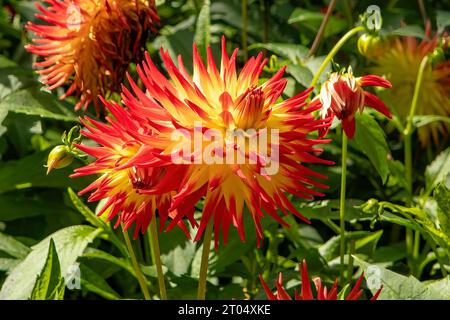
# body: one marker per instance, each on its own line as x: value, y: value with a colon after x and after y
x: 216, y: 102
x: 120, y: 185
x: 88, y: 44
x: 342, y: 95
x: 306, y: 292
x: 399, y: 62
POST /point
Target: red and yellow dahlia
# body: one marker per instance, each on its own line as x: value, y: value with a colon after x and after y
x: 88, y: 44
x: 119, y: 184
x: 342, y: 95
x: 208, y: 123
x: 399, y: 62
x: 306, y: 293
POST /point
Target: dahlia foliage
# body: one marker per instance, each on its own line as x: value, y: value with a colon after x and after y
x: 218, y: 135
x: 306, y: 292
x: 88, y: 44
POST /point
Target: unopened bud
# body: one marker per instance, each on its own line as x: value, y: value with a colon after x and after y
x: 58, y: 158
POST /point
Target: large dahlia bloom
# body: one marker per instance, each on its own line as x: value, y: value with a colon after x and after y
x: 306, y: 292
x: 343, y: 94
x: 399, y: 62
x: 88, y: 44
x: 241, y: 144
x: 119, y: 184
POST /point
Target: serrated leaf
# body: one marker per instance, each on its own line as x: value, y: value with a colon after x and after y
x: 442, y: 20
x: 301, y: 74
x: 396, y: 286
x: 329, y: 209
x: 409, y: 31
x: 32, y: 101
x: 423, y: 120
x: 70, y: 244
x: 371, y: 140
x: 49, y: 280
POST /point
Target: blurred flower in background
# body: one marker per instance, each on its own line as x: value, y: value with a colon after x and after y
x: 88, y: 44
x: 306, y: 293
x: 399, y: 62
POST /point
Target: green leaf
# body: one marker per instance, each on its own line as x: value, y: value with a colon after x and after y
x: 32, y: 101
x: 95, y: 283
x: 17, y: 205
x: 91, y: 253
x: 13, y: 79
x: 70, y: 244
x: 396, y: 286
x: 409, y: 31
x: 329, y: 209
x: 294, y: 52
x: 313, y: 19
x: 301, y: 74
x: 48, y: 282
x: 442, y: 286
x: 438, y: 170
x: 330, y: 249
x: 6, y: 264
x: 423, y: 120
x: 13, y: 247
x: 202, y: 35
x: 177, y: 251
x: 442, y: 196
x: 371, y: 140
x: 85, y: 211
x: 29, y: 172
x: 442, y: 20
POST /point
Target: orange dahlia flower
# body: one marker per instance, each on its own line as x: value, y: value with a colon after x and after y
x: 306, y: 293
x: 120, y: 184
x: 400, y: 63
x: 342, y: 95
x: 88, y: 44
x: 210, y: 124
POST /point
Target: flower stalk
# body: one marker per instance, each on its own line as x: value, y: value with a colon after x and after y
x: 342, y: 206
x: 139, y: 275
x: 156, y: 257
x: 201, y: 294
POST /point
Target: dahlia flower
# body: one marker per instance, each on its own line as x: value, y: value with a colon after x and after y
x: 399, y: 62
x: 306, y: 293
x: 88, y: 44
x: 342, y: 95
x: 120, y: 185
x: 210, y: 125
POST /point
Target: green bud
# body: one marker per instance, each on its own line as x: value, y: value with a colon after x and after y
x: 58, y: 158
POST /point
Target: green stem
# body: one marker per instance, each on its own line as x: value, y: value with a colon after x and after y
x: 137, y: 268
x: 156, y: 257
x: 412, y: 243
x: 333, y: 52
x: 201, y: 294
x: 350, y: 262
x: 342, y: 205
x: 244, y: 28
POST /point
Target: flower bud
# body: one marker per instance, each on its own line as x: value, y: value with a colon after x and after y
x: 58, y: 158
x: 370, y: 46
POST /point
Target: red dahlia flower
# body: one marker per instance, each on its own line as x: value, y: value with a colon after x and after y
x: 342, y: 95
x: 306, y: 293
x: 208, y: 123
x: 89, y: 43
x: 119, y: 184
